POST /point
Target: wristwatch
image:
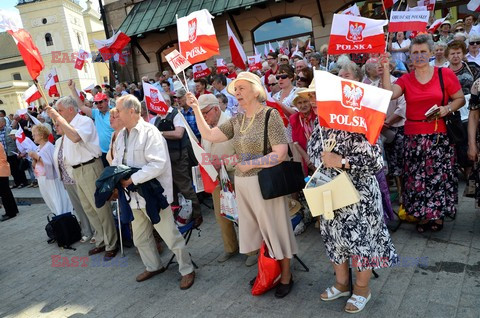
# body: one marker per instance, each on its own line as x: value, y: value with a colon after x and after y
x: 449, y: 109
x: 344, y: 162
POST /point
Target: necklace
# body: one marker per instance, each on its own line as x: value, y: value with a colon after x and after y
x: 249, y: 124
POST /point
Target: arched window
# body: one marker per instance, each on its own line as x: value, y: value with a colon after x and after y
x: 286, y: 31
x: 48, y: 39
x: 164, y: 50
x: 79, y: 39
x: 17, y: 77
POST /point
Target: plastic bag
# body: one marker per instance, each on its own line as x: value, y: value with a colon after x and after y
x: 402, y: 215
x: 228, y: 203
x: 185, y: 212
x: 269, y: 272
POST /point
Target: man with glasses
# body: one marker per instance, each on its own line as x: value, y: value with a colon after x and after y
x: 101, y: 116
x: 272, y: 60
x: 473, y: 48
x: 283, y: 59
x: 273, y: 84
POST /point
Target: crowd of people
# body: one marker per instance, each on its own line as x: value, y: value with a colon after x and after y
x: 78, y: 137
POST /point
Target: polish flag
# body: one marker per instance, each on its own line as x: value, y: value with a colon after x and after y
x: 408, y: 21
x: 435, y: 25
x: 82, y: 56
x: 256, y: 51
x: 154, y: 99
x: 200, y: 70
x: 37, y: 122
x: 112, y: 47
x: 270, y: 48
x: 309, y: 45
x: 89, y: 88
x: 236, y: 50
x: 80, y: 95
x: 351, y: 106
x: 353, y: 10
x: 31, y: 94
x: 389, y: 3
x: 430, y: 4
x: 221, y: 67
x: 296, y: 49
x: 50, y: 83
x: 196, y: 36
x: 272, y: 103
x: 254, y: 63
x: 265, y: 50
x: 474, y: 5
x: 352, y: 34
x: 29, y: 51
x: 20, y: 135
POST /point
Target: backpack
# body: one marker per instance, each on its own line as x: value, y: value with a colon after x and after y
x: 64, y: 229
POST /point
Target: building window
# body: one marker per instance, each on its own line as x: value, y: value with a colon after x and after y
x: 169, y: 47
x: 105, y: 79
x: 79, y: 39
x: 48, y: 39
x: 1, y: 102
x: 284, y: 31
x: 44, y: 21
x: 17, y: 77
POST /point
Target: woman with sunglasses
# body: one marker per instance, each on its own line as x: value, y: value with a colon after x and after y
x: 304, y: 77
x: 473, y: 54
x: 285, y: 96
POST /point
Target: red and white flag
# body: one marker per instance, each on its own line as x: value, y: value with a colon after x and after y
x: 177, y: 61
x: 80, y: 61
x: 196, y: 36
x: 351, y: 106
x: 236, y: 50
x: 200, y: 70
x: 50, y: 83
x: 435, y: 25
x: 309, y: 45
x: 408, y: 21
x: 154, y: 99
x: 474, y: 5
x: 430, y: 4
x: 20, y: 135
x: 113, y: 47
x: 221, y: 67
x: 256, y: 51
x: 389, y: 3
x: 89, y: 88
x: 254, y: 63
x: 270, y: 48
x: 31, y: 94
x: 272, y: 103
x: 353, y: 10
x: 29, y: 51
x: 352, y: 34
x: 80, y: 95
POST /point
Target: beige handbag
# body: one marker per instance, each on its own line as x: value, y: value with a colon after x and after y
x: 334, y: 195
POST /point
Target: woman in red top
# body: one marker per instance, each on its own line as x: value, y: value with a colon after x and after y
x: 430, y: 181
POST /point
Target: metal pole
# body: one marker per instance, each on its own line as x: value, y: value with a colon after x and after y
x: 120, y: 228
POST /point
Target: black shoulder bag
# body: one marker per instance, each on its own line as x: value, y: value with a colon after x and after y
x: 455, y: 131
x: 282, y: 179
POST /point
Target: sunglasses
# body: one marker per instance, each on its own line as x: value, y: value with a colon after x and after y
x: 272, y: 84
x: 282, y: 76
x: 301, y: 79
x: 459, y: 30
x: 96, y: 103
x: 475, y: 43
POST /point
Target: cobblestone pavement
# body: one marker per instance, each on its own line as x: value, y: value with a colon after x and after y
x: 447, y: 284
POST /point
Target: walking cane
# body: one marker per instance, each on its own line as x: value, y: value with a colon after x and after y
x: 120, y: 228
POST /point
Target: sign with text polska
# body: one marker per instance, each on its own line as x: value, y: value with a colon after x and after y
x: 177, y: 61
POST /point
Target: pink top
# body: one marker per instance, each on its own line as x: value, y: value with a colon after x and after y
x: 421, y: 97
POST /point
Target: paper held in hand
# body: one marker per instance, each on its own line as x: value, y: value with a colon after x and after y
x: 177, y: 61
x: 432, y: 111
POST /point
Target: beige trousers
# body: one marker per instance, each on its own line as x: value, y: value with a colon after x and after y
x: 143, y: 239
x: 101, y: 219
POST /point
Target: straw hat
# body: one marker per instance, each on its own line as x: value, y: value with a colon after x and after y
x: 310, y: 89
x: 294, y: 206
x: 252, y: 78
x: 297, y: 95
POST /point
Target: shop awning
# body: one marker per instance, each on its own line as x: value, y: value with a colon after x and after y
x: 157, y: 15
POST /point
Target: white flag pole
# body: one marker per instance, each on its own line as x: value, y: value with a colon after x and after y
x: 180, y: 50
x: 321, y: 132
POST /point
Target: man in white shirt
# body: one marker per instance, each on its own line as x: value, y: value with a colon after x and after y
x: 81, y: 151
x: 220, y: 85
x: 141, y: 145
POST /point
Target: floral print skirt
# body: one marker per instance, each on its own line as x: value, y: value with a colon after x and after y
x: 394, y: 153
x: 430, y: 179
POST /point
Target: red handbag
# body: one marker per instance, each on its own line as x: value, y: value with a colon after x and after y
x: 269, y: 272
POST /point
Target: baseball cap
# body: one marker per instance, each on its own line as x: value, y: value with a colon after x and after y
x: 207, y: 100
x: 99, y: 97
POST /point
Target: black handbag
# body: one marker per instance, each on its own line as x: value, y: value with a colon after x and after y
x: 64, y: 229
x: 455, y: 131
x: 282, y: 179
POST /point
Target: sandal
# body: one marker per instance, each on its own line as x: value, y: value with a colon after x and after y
x: 423, y: 227
x: 93, y: 240
x: 359, y: 302
x: 333, y: 293
x: 84, y: 239
x: 436, y: 227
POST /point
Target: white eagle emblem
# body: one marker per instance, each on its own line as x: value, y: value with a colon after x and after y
x: 192, y: 30
x: 351, y: 95
x: 355, y: 30
x: 154, y: 95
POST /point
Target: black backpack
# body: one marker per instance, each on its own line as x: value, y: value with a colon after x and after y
x: 64, y: 229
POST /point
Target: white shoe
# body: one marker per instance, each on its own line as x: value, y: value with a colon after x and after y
x: 359, y: 302
x: 333, y: 293
x: 84, y: 239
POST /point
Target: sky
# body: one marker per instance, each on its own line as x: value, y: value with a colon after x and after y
x: 9, y: 6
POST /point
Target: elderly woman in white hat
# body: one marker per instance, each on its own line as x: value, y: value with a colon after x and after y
x: 259, y: 219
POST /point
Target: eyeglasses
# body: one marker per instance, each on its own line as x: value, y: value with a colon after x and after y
x: 270, y: 58
x: 301, y: 79
x: 459, y: 30
x: 272, y: 84
x: 282, y: 76
x: 205, y: 113
x: 96, y: 103
x: 474, y: 43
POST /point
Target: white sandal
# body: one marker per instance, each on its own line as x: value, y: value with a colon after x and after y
x: 357, y: 301
x: 333, y: 293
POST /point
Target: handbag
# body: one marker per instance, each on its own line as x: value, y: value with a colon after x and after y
x: 269, y: 272
x: 228, y: 204
x: 64, y: 229
x: 282, y: 179
x: 455, y: 131
x: 333, y: 195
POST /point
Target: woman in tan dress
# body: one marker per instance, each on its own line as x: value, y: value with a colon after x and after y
x: 259, y: 220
